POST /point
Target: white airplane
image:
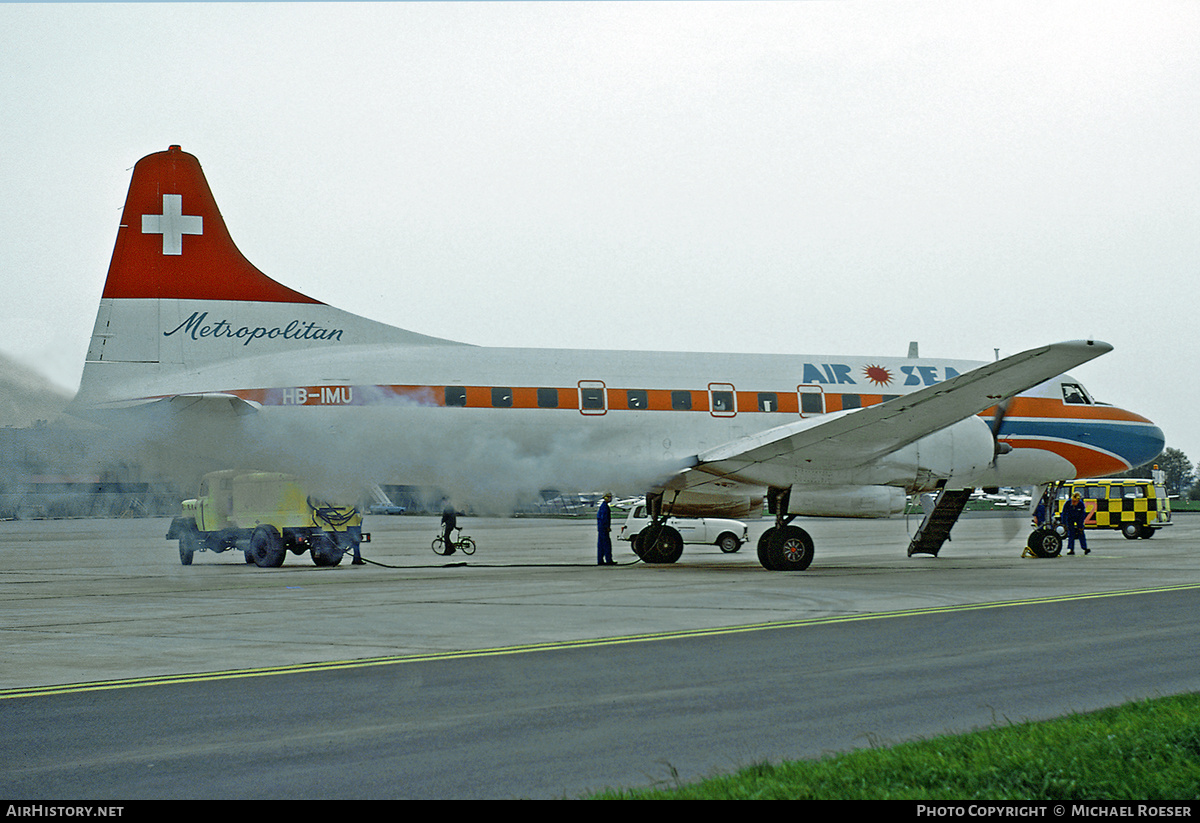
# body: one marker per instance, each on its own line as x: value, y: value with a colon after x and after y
x: 201, y: 349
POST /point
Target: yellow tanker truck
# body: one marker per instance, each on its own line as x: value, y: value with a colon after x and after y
x: 265, y: 515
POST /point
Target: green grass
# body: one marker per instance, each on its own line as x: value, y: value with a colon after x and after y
x: 1148, y: 750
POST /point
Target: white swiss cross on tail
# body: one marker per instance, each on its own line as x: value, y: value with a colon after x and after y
x: 172, y: 224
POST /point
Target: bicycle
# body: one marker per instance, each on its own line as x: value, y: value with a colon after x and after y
x: 463, y: 544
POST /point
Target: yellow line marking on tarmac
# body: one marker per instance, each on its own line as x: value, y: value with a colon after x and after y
x: 390, y: 660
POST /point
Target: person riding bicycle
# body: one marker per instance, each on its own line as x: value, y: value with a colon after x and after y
x: 449, y: 523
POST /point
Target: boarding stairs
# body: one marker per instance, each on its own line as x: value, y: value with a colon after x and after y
x: 380, y: 496
x: 935, y: 528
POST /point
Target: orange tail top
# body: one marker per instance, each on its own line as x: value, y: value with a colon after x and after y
x: 173, y: 243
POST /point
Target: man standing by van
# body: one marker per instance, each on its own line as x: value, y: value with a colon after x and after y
x: 604, y: 533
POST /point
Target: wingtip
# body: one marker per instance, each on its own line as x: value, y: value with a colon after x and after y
x: 1097, y: 346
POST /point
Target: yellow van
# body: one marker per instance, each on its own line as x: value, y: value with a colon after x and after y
x: 1138, y: 508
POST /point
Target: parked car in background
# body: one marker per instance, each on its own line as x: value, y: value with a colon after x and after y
x: 385, y: 508
x: 727, y: 535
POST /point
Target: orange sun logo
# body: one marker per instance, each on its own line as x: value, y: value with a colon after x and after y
x: 878, y: 375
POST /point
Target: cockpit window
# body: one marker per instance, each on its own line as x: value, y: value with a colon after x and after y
x: 1074, y: 393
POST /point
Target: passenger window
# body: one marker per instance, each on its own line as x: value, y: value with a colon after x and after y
x: 768, y: 401
x: 681, y: 400
x: 722, y: 401
x: 592, y: 398
x: 637, y: 399
x: 501, y: 398
x: 456, y: 395
x: 812, y: 403
x: 547, y: 398
x: 851, y: 401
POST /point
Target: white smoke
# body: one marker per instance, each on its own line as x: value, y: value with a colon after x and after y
x: 492, y: 461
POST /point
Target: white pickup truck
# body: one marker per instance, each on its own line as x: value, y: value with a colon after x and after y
x: 728, y: 535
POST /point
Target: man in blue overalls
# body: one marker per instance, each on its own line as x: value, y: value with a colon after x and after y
x: 604, y: 533
x: 1073, y: 515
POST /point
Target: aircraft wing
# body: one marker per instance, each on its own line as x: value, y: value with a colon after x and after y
x: 851, y: 438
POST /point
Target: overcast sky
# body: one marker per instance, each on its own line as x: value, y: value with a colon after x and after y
x: 793, y: 177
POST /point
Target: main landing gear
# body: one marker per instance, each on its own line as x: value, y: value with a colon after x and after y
x: 784, y: 547
x: 657, y: 542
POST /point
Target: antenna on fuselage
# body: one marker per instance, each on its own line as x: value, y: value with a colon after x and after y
x: 912, y: 350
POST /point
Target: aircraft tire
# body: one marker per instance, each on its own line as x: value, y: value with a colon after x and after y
x: 764, y: 553
x: 1045, y: 543
x: 790, y: 549
x: 661, y: 544
x: 266, y: 547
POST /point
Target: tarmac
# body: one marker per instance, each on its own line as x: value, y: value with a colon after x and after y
x: 83, y: 601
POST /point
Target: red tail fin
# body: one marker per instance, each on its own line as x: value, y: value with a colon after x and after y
x: 173, y: 243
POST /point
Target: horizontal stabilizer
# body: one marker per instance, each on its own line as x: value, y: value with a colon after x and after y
x: 211, y: 403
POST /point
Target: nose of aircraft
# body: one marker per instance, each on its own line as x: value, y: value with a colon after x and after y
x: 1138, y: 440
x: 1149, y: 446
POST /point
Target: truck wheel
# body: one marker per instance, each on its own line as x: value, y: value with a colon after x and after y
x: 324, y: 551
x: 266, y: 547
x: 189, y: 544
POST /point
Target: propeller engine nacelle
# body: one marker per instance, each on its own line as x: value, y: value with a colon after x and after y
x: 956, y: 454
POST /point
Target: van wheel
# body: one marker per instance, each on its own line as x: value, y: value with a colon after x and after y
x: 1132, y: 531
